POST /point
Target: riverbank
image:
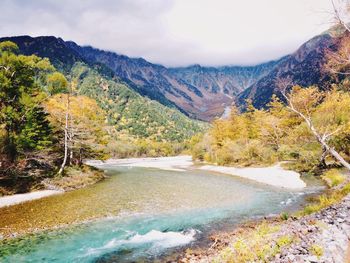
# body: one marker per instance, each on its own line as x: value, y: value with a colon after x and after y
x: 272, y: 175
x: 20, y: 198
x: 176, y: 163
x: 75, y: 178
x: 320, y: 237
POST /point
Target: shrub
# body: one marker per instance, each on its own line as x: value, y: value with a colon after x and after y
x: 198, y: 152
x: 306, y: 160
x: 229, y: 153
x: 255, y: 152
x: 333, y: 177
x: 284, y: 216
x: 316, y: 250
x: 326, y: 200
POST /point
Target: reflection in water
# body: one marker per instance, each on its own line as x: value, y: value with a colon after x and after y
x: 142, y: 211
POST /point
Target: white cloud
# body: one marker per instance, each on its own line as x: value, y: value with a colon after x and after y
x: 174, y: 32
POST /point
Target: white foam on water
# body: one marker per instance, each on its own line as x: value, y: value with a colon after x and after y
x: 164, y: 239
x: 157, y: 239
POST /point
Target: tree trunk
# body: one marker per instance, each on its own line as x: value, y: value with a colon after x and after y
x: 337, y: 156
x: 71, y: 135
x: 323, y: 163
x: 80, y: 157
x: 65, y: 138
x: 321, y: 139
x: 329, y: 149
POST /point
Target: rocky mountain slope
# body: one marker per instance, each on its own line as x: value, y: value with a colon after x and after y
x: 304, y: 67
x: 199, y: 92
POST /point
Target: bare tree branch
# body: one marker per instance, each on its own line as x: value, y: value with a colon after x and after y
x: 322, y: 139
x: 338, y: 17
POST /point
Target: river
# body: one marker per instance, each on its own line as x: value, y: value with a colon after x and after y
x: 138, y: 214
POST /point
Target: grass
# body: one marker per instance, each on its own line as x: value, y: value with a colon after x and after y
x: 257, y: 245
x: 333, y: 177
x: 325, y: 200
x: 284, y: 216
x: 76, y: 177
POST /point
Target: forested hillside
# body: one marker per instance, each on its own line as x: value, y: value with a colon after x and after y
x: 50, y: 120
x: 127, y: 110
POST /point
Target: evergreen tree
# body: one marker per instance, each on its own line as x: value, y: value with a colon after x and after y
x: 21, y: 116
x: 35, y: 133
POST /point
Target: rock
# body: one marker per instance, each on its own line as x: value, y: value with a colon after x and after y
x: 340, y: 220
x: 312, y: 259
x: 291, y: 257
x: 328, y: 229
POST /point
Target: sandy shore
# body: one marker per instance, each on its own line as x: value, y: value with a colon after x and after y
x: 177, y: 163
x: 20, y: 198
x: 273, y: 175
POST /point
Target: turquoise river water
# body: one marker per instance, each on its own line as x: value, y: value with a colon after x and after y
x: 143, y: 213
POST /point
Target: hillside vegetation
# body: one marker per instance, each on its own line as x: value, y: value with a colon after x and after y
x: 129, y: 112
x: 51, y: 119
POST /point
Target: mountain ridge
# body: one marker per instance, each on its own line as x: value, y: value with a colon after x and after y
x: 198, y: 91
x: 201, y: 95
x: 304, y: 67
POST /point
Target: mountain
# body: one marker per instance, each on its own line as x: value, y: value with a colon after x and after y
x: 201, y: 92
x: 304, y: 67
x: 129, y: 112
x: 50, y: 47
x: 126, y: 109
x: 220, y: 86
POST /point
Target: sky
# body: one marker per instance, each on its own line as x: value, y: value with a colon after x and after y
x: 175, y: 32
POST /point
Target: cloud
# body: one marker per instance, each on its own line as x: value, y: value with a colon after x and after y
x: 174, y: 32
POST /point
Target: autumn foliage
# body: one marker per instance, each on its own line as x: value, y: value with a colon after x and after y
x: 261, y: 137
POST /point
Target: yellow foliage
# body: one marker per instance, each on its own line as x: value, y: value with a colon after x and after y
x: 261, y: 137
x: 333, y: 177
x: 86, y: 118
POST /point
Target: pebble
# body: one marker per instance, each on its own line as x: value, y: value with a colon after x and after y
x: 322, y: 237
x: 329, y: 235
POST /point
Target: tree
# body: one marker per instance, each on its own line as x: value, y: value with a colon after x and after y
x: 56, y: 83
x: 21, y: 113
x: 305, y: 103
x: 81, y: 121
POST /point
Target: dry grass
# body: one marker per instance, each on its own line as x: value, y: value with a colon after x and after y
x: 333, y: 177
x: 75, y: 178
x: 256, y: 245
x: 325, y: 200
